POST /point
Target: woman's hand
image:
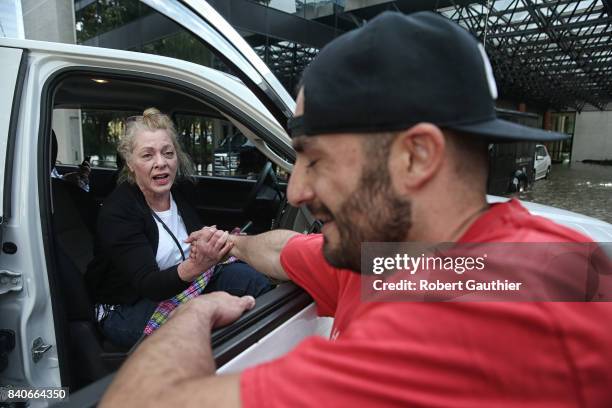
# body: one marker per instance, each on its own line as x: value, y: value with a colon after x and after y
x: 208, y: 246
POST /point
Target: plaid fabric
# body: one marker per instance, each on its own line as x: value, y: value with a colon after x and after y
x: 163, y: 310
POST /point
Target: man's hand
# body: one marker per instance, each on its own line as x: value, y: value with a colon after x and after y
x: 214, y: 309
x: 175, y: 366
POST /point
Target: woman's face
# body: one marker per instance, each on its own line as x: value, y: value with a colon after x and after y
x: 153, y: 162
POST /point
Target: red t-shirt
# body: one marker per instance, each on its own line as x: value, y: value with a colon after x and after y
x: 408, y: 354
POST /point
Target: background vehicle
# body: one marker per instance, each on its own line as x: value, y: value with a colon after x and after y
x: 511, y: 164
x: 47, y: 233
x: 510, y: 167
x: 541, y: 167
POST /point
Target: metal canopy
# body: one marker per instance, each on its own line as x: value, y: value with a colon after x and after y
x: 286, y: 59
x: 555, y: 53
x: 552, y: 53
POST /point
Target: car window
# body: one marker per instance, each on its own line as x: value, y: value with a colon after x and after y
x: 131, y: 17
x: 540, y: 151
x: 217, y: 147
x: 86, y: 134
x: 196, y: 34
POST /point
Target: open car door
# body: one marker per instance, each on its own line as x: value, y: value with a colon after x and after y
x: 199, y: 18
x: 287, y: 308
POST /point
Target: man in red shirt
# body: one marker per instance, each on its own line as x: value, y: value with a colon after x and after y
x: 391, y: 129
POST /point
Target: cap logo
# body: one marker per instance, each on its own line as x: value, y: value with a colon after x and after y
x: 489, y: 72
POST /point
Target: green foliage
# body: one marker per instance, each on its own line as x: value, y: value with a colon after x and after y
x: 105, y: 15
x: 102, y: 131
x: 195, y: 135
x: 182, y: 46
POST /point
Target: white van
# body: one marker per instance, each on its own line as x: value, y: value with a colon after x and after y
x: 48, y: 337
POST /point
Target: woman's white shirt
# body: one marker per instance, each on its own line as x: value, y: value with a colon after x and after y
x: 168, y: 253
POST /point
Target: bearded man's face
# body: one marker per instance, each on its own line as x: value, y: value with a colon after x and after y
x: 374, y: 212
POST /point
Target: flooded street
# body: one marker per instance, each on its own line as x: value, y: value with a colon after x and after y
x: 579, y: 187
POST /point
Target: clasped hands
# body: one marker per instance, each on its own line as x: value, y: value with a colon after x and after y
x: 209, y: 246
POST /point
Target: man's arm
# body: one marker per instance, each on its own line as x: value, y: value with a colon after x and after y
x: 175, y: 367
x: 261, y: 251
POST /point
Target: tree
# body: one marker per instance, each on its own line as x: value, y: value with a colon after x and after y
x: 104, y: 15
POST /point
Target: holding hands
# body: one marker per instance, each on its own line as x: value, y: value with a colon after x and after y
x: 208, y: 247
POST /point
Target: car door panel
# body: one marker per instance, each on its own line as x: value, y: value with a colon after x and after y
x: 10, y: 94
x: 28, y: 310
x: 281, y: 340
x: 281, y: 318
x: 12, y: 288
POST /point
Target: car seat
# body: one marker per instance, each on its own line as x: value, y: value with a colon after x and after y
x: 74, y: 217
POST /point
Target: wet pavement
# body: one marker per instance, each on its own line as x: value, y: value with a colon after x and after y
x: 579, y: 187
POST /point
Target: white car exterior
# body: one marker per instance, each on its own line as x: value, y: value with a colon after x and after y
x: 26, y: 300
x: 542, y: 162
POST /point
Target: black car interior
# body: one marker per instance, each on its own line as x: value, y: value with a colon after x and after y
x: 225, y: 201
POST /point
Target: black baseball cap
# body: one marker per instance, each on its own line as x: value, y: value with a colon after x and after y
x: 399, y: 70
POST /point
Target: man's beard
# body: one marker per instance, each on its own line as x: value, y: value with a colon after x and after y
x: 374, y: 213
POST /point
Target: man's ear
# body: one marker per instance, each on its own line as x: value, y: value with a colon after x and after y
x: 419, y: 154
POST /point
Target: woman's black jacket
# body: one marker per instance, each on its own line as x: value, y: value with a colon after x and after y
x: 124, y: 269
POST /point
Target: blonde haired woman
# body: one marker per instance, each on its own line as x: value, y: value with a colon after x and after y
x: 140, y: 254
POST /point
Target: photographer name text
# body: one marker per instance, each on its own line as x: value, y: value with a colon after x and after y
x: 437, y: 285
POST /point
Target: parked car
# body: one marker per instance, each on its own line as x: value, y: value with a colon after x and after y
x: 542, y: 163
x: 48, y: 337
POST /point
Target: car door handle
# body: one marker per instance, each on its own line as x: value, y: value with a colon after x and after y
x: 10, y: 282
